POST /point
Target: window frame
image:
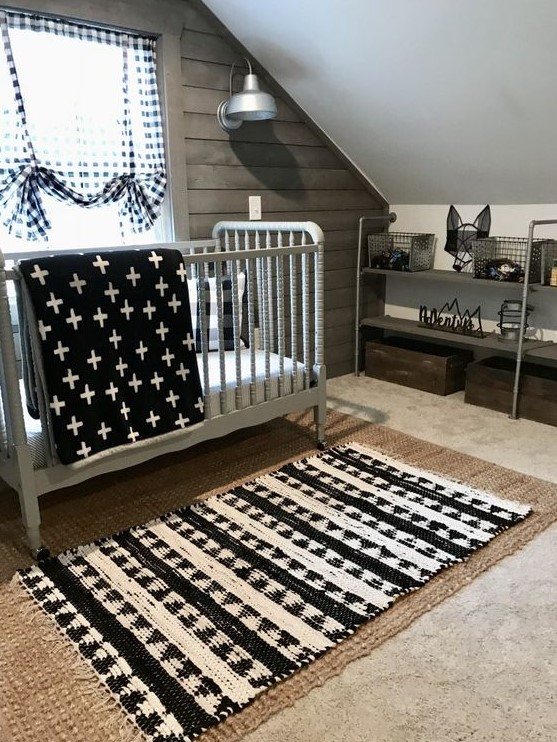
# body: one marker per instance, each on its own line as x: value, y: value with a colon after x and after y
x: 154, y: 22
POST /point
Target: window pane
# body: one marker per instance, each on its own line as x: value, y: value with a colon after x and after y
x: 79, y: 119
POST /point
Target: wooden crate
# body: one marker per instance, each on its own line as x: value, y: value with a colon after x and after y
x: 490, y: 382
x: 432, y: 368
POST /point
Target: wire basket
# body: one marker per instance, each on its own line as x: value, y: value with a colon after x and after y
x: 401, y: 251
x: 504, y: 259
x: 549, y: 263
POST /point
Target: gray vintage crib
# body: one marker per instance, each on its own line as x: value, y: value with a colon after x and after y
x: 279, y: 369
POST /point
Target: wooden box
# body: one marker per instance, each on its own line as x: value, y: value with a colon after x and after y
x: 432, y: 368
x: 490, y: 382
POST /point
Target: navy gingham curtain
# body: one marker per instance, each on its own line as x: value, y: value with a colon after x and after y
x: 81, y: 164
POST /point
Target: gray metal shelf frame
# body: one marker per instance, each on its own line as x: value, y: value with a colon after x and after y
x: 390, y: 218
x: 520, y: 349
x: 542, y: 350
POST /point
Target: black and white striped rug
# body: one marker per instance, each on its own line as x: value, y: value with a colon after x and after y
x: 187, y: 618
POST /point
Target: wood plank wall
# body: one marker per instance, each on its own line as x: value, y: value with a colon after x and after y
x: 289, y: 163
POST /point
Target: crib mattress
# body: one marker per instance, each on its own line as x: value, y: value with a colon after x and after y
x: 212, y: 397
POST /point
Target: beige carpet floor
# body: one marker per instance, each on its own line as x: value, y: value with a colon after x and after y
x: 46, y: 694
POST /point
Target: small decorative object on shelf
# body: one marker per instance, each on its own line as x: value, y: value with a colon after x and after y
x: 401, y: 251
x: 451, y: 319
x: 553, y: 277
x: 549, y: 263
x: 504, y: 258
x: 510, y: 317
x: 461, y: 234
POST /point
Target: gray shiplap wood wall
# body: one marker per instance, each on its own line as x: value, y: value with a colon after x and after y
x: 288, y: 162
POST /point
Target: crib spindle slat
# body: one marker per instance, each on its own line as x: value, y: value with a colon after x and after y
x: 294, y: 317
x: 203, y: 330
x: 251, y: 273
x: 267, y: 319
x: 270, y: 297
x: 220, y: 335
x: 306, y: 318
x: 280, y: 318
x: 236, y: 331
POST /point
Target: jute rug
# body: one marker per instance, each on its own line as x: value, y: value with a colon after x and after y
x: 47, y: 692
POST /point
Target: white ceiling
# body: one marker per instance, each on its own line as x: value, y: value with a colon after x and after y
x: 436, y: 101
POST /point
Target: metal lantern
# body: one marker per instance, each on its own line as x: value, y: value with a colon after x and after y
x: 510, y: 318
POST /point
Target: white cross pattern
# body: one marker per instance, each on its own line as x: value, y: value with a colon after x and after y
x: 61, y: 350
x: 153, y: 419
x: 155, y: 259
x: 135, y: 383
x: 161, y: 286
x: 133, y: 276
x: 70, y: 379
x: 149, y: 309
x: 111, y: 292
x: 74, y: 319
x: 133, y: 435
x: 157, y: 381
x: 112, y: 391
x: 115, y: 338
x: 100, y: 317
x: 182, y: 271
x: 94, y: 359
x: 183, y: 372
x: 84, y: 450
x: 189, y: 342
x: 174, y: 304
x: 162, y: 331
x: 141, y: 350
x: 39, y: 274
x: 75, y: 425
x: 181, y: 421
x: 126, y: 309
x: 57, y: 405
x: 87, y: 394
x: 173, y: 398
x: 104, y: 431
x: 167, y: 357
x: 121, y: 366
x: 78, y: 283
x: 54, y: 303
x: 101, y: 264
x: 44, y: 329
x: 199, y: 405
x: 124, y: 409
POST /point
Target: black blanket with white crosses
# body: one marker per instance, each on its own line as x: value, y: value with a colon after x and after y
x: 118, y: 352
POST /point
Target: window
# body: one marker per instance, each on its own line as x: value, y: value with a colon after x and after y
x: 81, y: 146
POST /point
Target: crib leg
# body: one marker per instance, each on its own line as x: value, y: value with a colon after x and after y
x: 320, y: 410
x: 29, y: 502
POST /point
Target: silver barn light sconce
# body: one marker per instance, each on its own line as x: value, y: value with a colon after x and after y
x: 252, y: 104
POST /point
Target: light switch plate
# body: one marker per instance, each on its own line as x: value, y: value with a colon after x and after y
x: 254, y: 207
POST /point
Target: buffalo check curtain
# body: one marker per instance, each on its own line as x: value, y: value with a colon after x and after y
x: 80, y: 121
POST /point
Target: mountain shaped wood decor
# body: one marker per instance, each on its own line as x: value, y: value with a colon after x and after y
x: 450, y: 318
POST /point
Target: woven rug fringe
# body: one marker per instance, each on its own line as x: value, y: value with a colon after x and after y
x: 109, y: 716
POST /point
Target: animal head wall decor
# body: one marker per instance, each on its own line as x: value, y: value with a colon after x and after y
x: 460, y: 235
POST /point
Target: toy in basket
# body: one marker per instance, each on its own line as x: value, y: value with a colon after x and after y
x: 504, y: 259
x: 401, y: 251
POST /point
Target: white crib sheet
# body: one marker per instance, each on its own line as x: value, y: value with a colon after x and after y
x: 35, y: 435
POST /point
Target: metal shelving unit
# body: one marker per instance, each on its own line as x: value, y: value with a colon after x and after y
x: 536, y: 350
